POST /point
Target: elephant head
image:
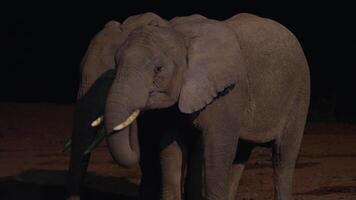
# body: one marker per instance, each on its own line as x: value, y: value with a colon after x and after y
x: 100, y: 55
x: 188, y: 62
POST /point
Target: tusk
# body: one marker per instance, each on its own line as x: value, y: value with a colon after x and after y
x: 97, y: 122
x: 128, y: 121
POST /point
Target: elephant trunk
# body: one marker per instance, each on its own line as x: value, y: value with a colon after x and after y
x: 126, y: 97
x: 124, y: 146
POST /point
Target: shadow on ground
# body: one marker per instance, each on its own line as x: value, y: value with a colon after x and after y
x: 50, y: 184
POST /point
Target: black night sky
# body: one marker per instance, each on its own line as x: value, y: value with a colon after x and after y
x: 44, y: 44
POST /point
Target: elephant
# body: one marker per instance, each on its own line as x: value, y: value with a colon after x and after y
x: 237, y: 84
x: 97, y: 72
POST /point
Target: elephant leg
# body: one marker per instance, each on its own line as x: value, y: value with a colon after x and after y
x: 285, y: 153
x: 234, y: 179
x: 243, y: 153
x: 219, y: 152
x: 171, y: 163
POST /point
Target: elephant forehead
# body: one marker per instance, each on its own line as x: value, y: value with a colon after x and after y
x: 134, y: 54
x: 155, y: 39
x: 152, y: 33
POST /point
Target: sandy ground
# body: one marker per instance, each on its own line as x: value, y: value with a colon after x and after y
x: 33, y: 167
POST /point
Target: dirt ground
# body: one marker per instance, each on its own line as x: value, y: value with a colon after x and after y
x: 32, y: 165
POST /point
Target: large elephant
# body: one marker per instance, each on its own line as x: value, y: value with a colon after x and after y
x: 241, y: 82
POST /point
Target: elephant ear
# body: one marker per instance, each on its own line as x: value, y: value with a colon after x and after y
x: 214, y: 59
x: 101, y: 52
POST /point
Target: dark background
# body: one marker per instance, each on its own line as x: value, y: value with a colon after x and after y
x: 43, y: 45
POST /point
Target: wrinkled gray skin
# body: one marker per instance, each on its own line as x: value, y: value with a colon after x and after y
x: 245, y: 79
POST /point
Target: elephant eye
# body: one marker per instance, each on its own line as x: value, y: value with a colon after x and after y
x: 158, y: 69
